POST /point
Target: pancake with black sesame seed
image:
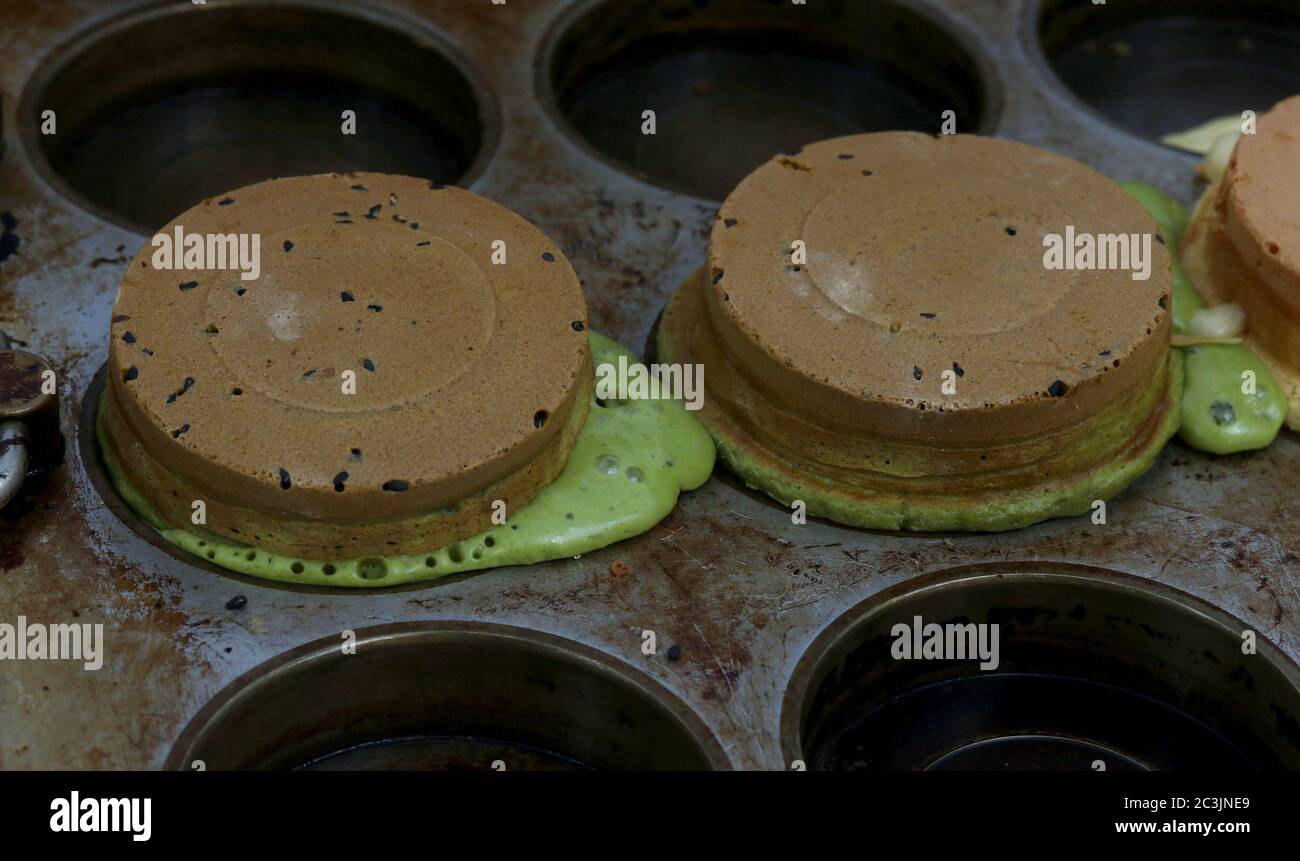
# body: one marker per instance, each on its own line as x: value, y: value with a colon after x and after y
x: 410, y: 370
x: 884, y: 342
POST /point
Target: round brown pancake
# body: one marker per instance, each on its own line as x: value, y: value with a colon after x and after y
x: 471, y: 378
x: 1243, y: 243
x: 924, y: 256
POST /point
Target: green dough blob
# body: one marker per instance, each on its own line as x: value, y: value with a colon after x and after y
x: 1216, y: 415
x: 630, y: 462
x: 1170, y: 215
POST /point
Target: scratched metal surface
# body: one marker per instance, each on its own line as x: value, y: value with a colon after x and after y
x: 726, y: 576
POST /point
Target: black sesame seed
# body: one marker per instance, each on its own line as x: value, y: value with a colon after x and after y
x: 674, y: 652
x: 548, y: 257
x: 1057, y: 389
x: 717, y: 275
x: 415, y: 225
x: 131, y: 374
x: 577, y: 325
x: 128, y: 337
x: 866, y: 173
x: 1104, y: 353
x: 225, y: 201
x: 957, y: 369
x: 183, y: 429
x: 339, y: 481
x: 539, y: 418
x: 1011, y: 231
x: 1160, y: 239
x: 357, y: 187
x: 372, y: 212
x: 120, y: 318
x: 241, y: 291
x: 916, y: 372
x: 285, y: 482
x: 928, y: 315
x: 238, y: 602
x: 288, y: 246
x: 344, y: 221
x: 729, y: 222
x: 375, y: 308
x: 346, y: 296
x: 845, y: 156
x: 189, y: 285
x: 396, y: 486
x: 342, y: 214
x: 422, y: 244
x: 367, y: 364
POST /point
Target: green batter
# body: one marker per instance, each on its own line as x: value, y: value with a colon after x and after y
x: 1217, y: 415
x: 630, y: 462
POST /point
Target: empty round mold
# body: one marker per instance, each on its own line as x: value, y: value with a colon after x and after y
x: 446, y: 696
x: 732, y: 83
x: 1095, y: 671
x: 1160, y: 66
x: 160, y: 107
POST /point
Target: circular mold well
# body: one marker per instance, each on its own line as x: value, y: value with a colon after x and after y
x: 733, y: 83
x: 160, y: 108
x: 446, y: 696
x: 1093, y: 666
x: 1155, y: 67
